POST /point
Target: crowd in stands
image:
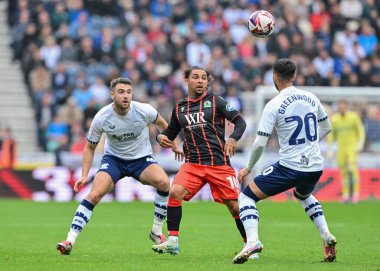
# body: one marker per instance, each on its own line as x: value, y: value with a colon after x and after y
x: 70, y: 50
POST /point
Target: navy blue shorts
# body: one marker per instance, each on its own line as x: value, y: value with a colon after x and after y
x: 277, y: 178
x: 118, y: 168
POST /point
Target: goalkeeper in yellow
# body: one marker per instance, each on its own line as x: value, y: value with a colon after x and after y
x: 348, y: 131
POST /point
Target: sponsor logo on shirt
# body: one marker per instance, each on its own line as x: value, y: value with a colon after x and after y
x: 124, y: 137
x: 195, y: 120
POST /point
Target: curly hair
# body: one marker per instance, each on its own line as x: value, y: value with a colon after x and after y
x: 187, y: 72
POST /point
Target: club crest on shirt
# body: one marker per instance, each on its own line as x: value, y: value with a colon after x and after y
x: 207, y: 104
x: 304, y: 160
x: 182, y: 108
x: 229, y: 108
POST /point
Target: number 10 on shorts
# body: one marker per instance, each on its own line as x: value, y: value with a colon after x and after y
x: 233, y: 182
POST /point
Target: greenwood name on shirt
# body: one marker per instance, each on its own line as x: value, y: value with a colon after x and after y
x: 295, y: 114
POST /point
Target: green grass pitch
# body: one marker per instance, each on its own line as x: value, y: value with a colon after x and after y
x: 117, y: 238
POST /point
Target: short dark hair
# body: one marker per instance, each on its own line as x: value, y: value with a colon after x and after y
x: 187, y: 72
x: 284, y: 68
x: 120, y: 80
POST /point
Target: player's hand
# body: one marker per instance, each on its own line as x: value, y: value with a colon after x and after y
x: 164, y: 141
x: 242, y: 173
x: 82, y: 181
x: 230, y: 147
x: 359, y: 146
x: 179, y: 155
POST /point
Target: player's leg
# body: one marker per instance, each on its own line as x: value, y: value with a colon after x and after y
x: 233, y: 208
x: 342, y: 162
x: 271, y: 182
x: 102, y: 185
x: 249, y: 215
x: 185, y: 185
x: 314, y: 210
x: 154, y: 175
x: 225, y: 189
x: 354, y: 174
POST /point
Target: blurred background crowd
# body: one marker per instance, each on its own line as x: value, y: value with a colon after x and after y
x: 70, y: 50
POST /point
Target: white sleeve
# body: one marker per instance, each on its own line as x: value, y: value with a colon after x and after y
x: 95, y: 132
x: 268, y: 120
x: 257, y: 150
x: 322, y: 115
x: 151, y: 113
x: 324, y: 128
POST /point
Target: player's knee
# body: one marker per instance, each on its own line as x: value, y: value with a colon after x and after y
x: 299, y: 196
x: 163, y: 184
x: 94, y: 197
x: 234, y: 208
x: 176, y: 193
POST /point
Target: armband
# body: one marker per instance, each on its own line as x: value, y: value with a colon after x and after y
x: 157, y: 137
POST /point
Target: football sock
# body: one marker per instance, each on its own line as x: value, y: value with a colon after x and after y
x: 174, y: 216
x: 160, y: 210
x: 81, y: 218
x: 241, y: 229
x: 314, y: 210
x: 249, y: 215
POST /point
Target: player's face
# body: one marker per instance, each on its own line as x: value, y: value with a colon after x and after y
x: 197, y: 83
x: 122, y: 97
x: 342, y: 107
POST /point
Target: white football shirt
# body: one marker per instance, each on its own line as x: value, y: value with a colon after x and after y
x: 295, y: 114
x: 127, y: 137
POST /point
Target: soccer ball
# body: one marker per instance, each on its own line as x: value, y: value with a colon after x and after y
x: 261, y: 24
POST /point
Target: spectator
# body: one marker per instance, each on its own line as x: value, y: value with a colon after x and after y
x: 40, y: 81
x: 50, y: 52
x: 99, y: 92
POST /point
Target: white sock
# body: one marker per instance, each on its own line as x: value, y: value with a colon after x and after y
x: 314, y: 210
x: 160, y: 210
x: 249, y: 217
x: 173, y: 239
x: 81, y: 218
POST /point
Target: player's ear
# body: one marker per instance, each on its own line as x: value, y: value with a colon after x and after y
x: 274, y: 78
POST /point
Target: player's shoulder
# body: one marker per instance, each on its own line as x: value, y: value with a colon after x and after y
x: 104, y: 112
x: 353, y: 115
x: 141, y: 107
x: 274, y: 102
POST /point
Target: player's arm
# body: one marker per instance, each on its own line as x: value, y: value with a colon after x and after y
x: 264, y: 131
x: 234, y: 117
x: 361, y: 134
x: 324, y: 127
x: 239, y: 129
x: 93, y: 138
x: 168, y: 134
x: 88, y: 157
x: 163, y: 125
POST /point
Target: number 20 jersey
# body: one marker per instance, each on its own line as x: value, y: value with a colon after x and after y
x: 295, y: 114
